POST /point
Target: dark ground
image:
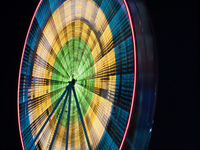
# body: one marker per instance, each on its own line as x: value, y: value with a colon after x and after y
x: 175, y: 27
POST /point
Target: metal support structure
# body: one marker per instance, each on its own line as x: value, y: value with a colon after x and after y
x: 31, y: 145
x: 69, y: 87
x: 68, y: 118
x: 69, y: 91
x: 79, y: 111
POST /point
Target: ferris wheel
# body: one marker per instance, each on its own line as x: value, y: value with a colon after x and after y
x: 87, y: 78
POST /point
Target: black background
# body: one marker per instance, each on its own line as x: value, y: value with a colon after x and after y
x: 175, y: 28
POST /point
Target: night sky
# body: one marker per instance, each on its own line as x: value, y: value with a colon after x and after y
x: 175, y: 30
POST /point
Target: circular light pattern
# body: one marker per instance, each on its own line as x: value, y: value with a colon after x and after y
x: 77, y: 80
x: 74, y: 54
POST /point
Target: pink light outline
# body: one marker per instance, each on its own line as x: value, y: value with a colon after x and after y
x: 135, y: 70
x: 19, y: 125
x: 135, y: 73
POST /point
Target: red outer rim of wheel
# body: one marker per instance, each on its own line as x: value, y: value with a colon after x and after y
x: 135, y: 73
x: 19, y: 125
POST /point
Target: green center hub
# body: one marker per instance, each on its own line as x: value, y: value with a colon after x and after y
x: 73, y: 61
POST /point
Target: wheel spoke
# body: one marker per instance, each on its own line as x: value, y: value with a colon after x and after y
x: 48, y: 118
x: 79, y: 111
x: 69, y: 91
x: 68, y: 117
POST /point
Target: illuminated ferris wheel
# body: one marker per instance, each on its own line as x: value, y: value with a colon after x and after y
x: 87, y: 78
